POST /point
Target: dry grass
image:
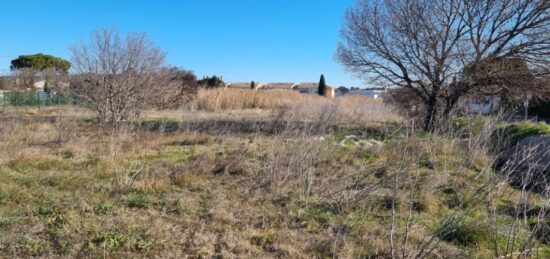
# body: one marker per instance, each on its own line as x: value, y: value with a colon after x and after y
x: 231, y: 108
x: 73, y: 189
x: 236, y: 99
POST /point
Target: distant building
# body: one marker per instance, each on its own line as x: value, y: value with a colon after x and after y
x: 241, y: 85
x: 39, y: 85
x: 313, y: 88
x: 2, y: 96
x: 483, y: 105
x: 304, y: 88
x: 276, y: 86
x: 307, y: 88
x: 374, y: 93
x: 340, y: 91
x: 330, y: 92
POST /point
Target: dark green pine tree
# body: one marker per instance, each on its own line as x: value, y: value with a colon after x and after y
x: 322, y: 86
x: 253, y: 85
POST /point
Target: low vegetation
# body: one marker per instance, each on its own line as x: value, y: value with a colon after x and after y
x: 297, y: 180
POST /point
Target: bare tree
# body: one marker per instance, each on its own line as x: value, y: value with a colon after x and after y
x: 25, y: 77
x: 116, y: 75
x: 177, y: 88
x: 425, y: 45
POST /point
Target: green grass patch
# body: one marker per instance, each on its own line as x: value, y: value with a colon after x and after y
x: 469, y: 233
x: 107, y: 240
x: 37, y: 165
x: 138, y: 201
x: 513, y: 133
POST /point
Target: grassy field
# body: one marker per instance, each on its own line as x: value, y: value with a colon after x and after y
x: 302, y: 178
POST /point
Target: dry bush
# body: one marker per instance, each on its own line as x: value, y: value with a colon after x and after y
x: 116, y: 75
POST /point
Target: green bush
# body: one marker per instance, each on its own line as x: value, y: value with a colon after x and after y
x: 143, y: 245
x: 513, y: 133
x: 211, y: 82
x: 139, y: 201
x: 468, y: 234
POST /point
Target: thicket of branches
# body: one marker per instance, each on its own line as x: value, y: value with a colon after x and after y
x: 120, y: 76
x: 429, y: 49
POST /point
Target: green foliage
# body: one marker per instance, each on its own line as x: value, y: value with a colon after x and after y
x: 41, y: 62
x: 425, y: 163
x: 212, y: 82
x: 322, y: 86
x: 107, y: 240
x: 103, y: 208
x: 252, y: 85
x: 143, y: 245
x: 515, y: 132
x: 323, y: 213
x: 468, y: 234
x: 466, y: 125
x: 30, y: 166
x: 451, y: 198
x: 139, y: 201
x: 5, y: 222
x: 4, y: 197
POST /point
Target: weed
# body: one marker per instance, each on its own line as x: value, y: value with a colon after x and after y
x: 465, y: 233
x: 143, y: 245
x: 264, y: 240
x: 5, y: 222
x: 139, y: 201
x: 29, y: 166
x: 107, y: 240
x: 103, y: 208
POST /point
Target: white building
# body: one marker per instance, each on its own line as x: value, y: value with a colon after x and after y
x: 2, y: 96
x: 374, y: 92
x: 307, y: 88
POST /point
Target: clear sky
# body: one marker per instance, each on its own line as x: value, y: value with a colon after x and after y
x: 241, y: 40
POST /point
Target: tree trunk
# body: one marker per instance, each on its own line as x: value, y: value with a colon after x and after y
x: 431, y: 112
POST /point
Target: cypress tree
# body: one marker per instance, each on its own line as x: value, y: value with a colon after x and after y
x: 253, y: 85
x: 322, y: 86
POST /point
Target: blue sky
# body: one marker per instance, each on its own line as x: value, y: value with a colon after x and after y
x: 241, y: 40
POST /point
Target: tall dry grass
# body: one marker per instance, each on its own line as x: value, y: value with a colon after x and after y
x: 352, y: 108
x: 235, y: 99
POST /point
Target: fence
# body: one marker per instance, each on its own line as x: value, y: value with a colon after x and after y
x: 37, y: 99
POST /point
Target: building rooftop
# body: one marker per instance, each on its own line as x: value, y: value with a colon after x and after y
x: 272, y: 86
x: 240, y: 85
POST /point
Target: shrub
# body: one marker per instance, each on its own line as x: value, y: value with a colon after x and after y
x: 322, y: 86
x: 107, y: 240
x: 465, y: 233
x: 143, y: 245
x: 212, y: 82
x: 513, y: 133
x: 138, y: 201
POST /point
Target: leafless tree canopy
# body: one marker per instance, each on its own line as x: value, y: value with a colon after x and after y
x: 116, y: 75
x: 178, y: 86
x: 25, y: 77
x: 425, y: 45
